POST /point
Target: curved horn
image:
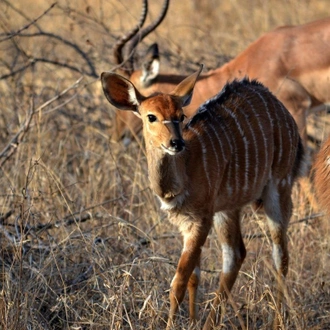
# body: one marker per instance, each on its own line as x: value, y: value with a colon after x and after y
x: 143, y: 33
x: 118, y: 48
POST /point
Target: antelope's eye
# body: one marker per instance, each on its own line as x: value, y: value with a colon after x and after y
x: 152, y: 118
x: 182, y: 118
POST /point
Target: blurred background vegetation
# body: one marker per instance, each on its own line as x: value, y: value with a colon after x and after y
x: 83, y: 243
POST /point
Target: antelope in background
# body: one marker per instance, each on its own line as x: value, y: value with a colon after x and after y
x: 292, y: 61
x: 321, y: 171
x: 241, y: 146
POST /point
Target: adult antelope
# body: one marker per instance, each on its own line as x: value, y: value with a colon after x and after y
x: 241, y: 146
x: 321, y: 171
x: 292, y: 61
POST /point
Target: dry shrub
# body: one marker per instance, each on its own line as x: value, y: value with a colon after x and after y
x: 83, y: 243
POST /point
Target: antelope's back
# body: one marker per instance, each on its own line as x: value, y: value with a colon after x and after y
x: 247, y: 136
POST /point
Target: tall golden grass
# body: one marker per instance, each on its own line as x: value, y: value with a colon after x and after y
x: 83, y: 242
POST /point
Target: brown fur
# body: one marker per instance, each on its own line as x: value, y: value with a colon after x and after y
x: 284, y: 60
x: 321, y: 171
x: 242, y: 146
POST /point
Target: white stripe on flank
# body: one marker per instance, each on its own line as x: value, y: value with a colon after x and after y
x: 246, y: 149
x: 204, y: 154
x: 265, y: 104
x: 228, y: 143
x: 215, y: 152
x: 215, y: 132
x: 256, y: 149
x: 279, y: 127
x: 264, y: 138
x: 290, y: 131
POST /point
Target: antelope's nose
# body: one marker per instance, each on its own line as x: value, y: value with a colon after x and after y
x: 177, y: 144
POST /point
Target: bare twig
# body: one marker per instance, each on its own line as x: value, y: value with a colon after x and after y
x: 13, y: 34
x: 10, y: 148
x: 58, y: 96
x: 67, y: 43
x: 73, y: 218
x: 33, y: 61
x: 310, y: 217
x: 8, y: 151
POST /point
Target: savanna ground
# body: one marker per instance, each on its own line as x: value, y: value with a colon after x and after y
x: 83, y: 243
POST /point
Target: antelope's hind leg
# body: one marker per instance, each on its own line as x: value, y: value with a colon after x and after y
x: 187, y: 272
x: 227, y: 226
x: 278, y: 209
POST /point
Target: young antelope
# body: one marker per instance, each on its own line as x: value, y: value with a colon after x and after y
x: 242, y: 146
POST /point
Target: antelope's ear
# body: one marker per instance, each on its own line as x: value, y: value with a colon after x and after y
x: 150, y: 68
x: 120, y: 92
x: 186, y: 87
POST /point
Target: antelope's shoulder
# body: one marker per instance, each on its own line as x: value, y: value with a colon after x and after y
x: 233, y: 93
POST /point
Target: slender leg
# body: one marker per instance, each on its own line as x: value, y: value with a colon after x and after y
x: 192, y: 289
x: 228, y: 229
x: 194, y: 239
x: 278, y: 208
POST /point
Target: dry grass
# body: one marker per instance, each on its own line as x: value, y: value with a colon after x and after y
x: 83, y: 243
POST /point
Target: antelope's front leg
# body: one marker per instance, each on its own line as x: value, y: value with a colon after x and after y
x: 187, y: 272
x: 192, y: 290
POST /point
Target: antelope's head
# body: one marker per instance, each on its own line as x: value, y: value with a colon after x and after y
x: 144, y: 78
x: 162, y: 114
x: 126, y: 45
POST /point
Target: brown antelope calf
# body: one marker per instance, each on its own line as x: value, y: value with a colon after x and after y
x: 292, y: 61
x: 241, y: 146
x: 321, y: 171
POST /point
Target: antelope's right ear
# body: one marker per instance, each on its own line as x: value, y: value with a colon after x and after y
x: 120, y: 92
x: 186, y: 87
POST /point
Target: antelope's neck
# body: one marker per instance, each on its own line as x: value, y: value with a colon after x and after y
x: 168, y: 178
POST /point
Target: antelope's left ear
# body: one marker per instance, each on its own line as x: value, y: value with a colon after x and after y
x: 120, y: 92
x: 186, y: 87
x: 150, y: 68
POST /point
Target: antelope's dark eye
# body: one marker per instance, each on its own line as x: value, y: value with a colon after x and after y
x: 152, y: 118
x: 182, y: 118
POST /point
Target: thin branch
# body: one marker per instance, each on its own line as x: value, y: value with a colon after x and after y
x: 72, y: 45
x: 45, y: 60
x: 10, y: 148
x: 13, y: 73
x: 58, y: 96
x: 72, y: 219
x: 306, y: 219
x: 13, y: 34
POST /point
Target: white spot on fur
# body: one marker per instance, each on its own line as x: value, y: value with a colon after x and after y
x: 177, y: 201
x: 327, y: 161
x: 219, y: 219
x: 173, y: 280
x: 132, y: 95
x: 277, y: 256
x: 228, y: 257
